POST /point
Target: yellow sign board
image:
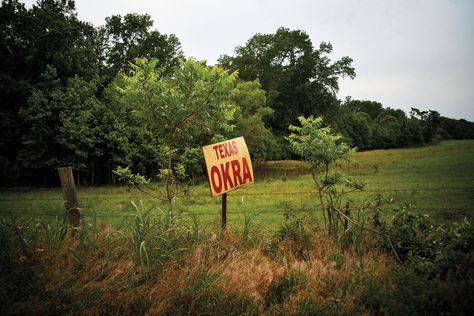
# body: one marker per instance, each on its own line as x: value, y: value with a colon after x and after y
x: 228, y: 165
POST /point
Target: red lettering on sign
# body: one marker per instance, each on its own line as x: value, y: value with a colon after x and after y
x: 225, y: 176
x: 247, y: 173
x: 229, y: 165
x: 234, y: 145
x: 215, y: 172
x: 221, y: 151
x: 226, y: 149
x: 236, y: 171
x: 215, y: 149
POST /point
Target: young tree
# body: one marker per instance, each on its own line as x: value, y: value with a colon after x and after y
x: 322, y: 149
x: 181, y: 109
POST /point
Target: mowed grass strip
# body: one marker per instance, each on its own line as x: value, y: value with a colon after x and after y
x: 436, y: 180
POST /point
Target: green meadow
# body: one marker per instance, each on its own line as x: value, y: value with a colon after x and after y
x: 437, y: 180
x: 264, y: 263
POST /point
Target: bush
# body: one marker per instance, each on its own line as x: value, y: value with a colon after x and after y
x: 435, y: 250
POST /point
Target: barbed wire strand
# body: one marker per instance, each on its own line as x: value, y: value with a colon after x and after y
x: 240, y: 193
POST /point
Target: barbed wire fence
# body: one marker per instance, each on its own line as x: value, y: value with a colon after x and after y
x: 235, y: 194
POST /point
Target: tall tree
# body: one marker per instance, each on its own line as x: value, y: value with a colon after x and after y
x: 122, y: 39
x: 372, y: 108
x: 249, y: 119
x: 47, y: 34
x: 430, y: 120
x: 61, y: 124
x: 298, y: 79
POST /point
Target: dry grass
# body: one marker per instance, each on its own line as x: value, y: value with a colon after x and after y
x: 220, y: 274
x: 239, y: 273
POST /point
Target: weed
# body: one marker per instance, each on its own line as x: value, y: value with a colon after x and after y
x: 292, y: 237
x: 201, y: 295
x: 310, y: 307
x: 287, y: 285
x: 338, y: 259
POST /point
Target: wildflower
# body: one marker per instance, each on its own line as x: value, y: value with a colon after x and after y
x: 22, y: 259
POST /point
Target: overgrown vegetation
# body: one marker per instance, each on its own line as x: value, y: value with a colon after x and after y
x: 151, y: 265
x: 323, y: 151
x: 151, y: 262
x: 120, y: 101
x: 66, y: 90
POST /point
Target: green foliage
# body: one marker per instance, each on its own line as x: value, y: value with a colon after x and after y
x: 317, y: 145
x: 293, y: 234
x: 180, y: 110
x: 132, y: 180
x: 358, y: 127
x: 298, y: 79
x: 127, y: 139
x: 122, y: 39
x: 368, y: 125
x: 434, y: 250
x: 323, y: 150
x: 154, y: 236
x: 46, y: 35
x: 251, y: 100
x: 192, y: 102
x: 251, y: 233
x: 62, y: 124
x: 63, y: 100
x: 193, y: 162
x: 415, y: 293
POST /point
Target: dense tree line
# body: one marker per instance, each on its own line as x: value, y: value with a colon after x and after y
x: 300, y: 80
x: 69, y: 95
x: 368, y: 125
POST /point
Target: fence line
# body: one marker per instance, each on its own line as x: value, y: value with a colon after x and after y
x: 467, y: 180
x: 217, y: 213
x: 145, y: 197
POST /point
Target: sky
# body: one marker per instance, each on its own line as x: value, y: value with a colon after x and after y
x: 412, y: 53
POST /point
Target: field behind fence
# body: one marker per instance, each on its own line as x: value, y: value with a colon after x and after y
x: 437, y: 180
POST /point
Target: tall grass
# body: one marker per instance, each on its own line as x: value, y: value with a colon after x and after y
x: 154, y: 264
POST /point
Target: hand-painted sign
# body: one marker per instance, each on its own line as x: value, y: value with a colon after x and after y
x: 228, y: 165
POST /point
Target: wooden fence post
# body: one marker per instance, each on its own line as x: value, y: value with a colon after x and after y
x: 224, y: 211
x: 71, y: 202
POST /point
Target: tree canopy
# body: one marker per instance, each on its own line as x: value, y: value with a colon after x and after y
x: 298, y: 79
x: 122, y: 94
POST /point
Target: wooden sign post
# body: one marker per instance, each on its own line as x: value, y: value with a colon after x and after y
x: 224, y: 211
x: 228, y: 167
x: 71, y: 202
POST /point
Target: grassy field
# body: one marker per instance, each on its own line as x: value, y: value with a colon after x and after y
x: 154, y: 264
x: 436, y: 180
